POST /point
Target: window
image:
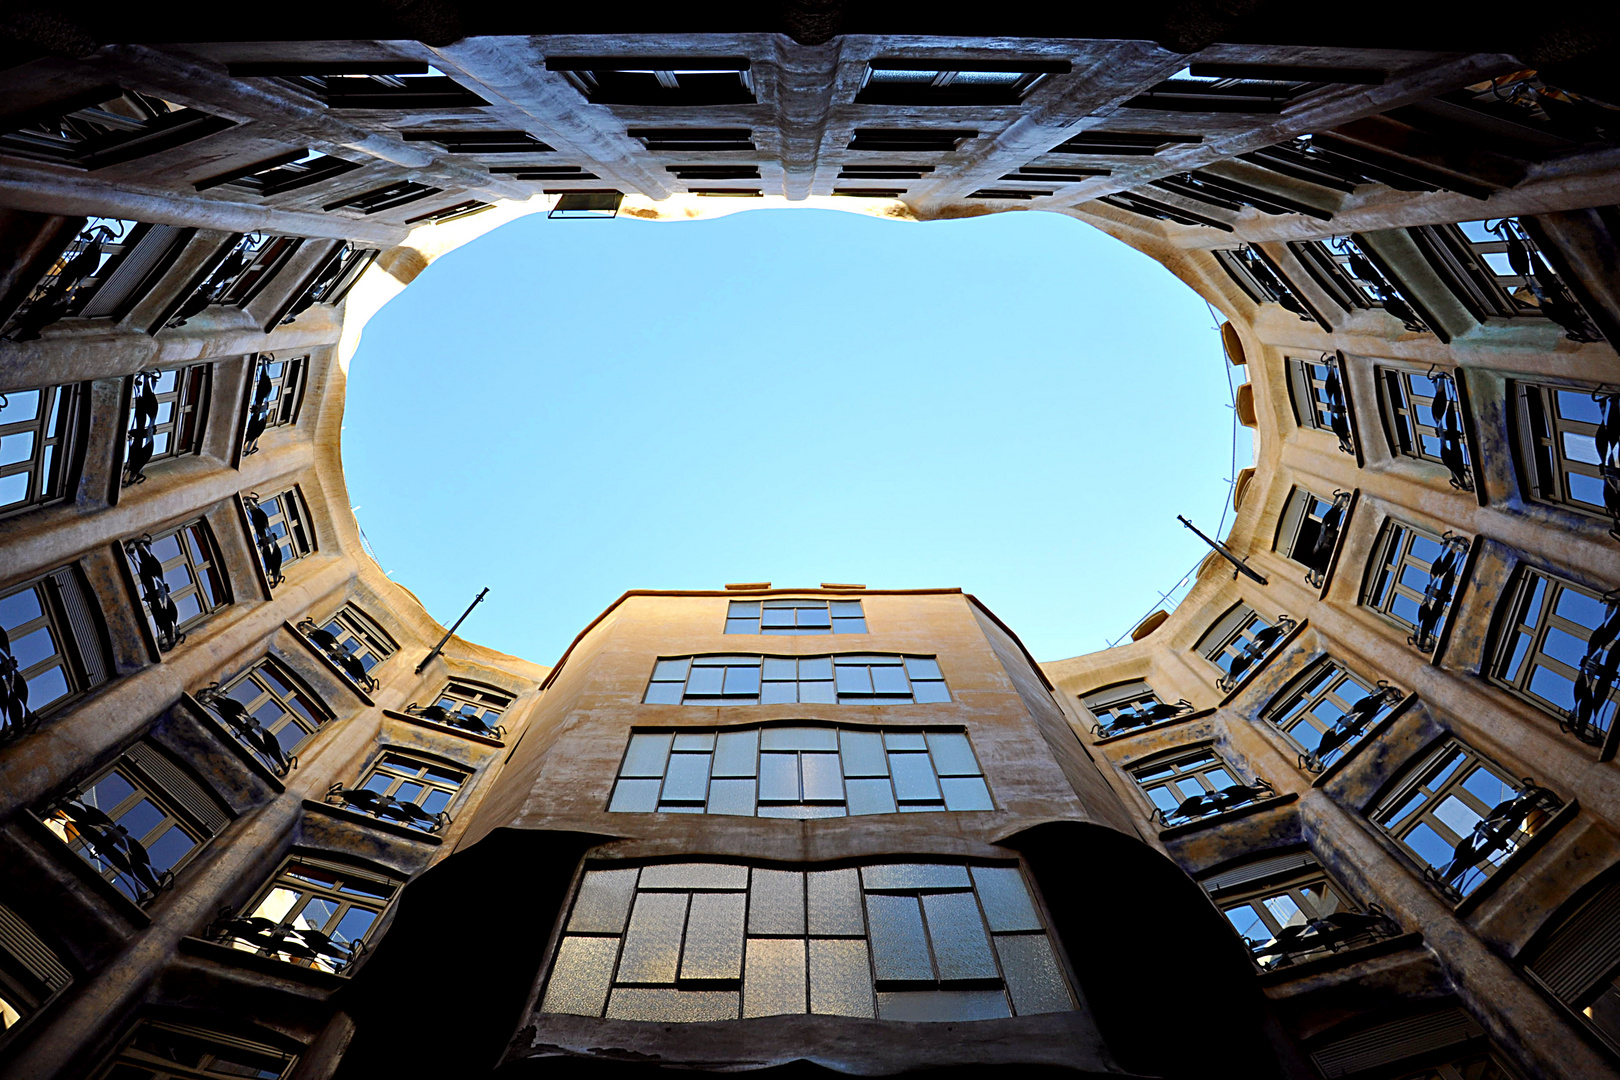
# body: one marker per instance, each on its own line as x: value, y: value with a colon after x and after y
x: 1319, y: 397
x: 138, y: 822
x: 1128, y: 705
x: 411, y: 790
x: 1423, y: 416
x: 1299, y: 915
x: 285, y: 172
x: 946, y: 82
x: 1323, y: 161
x: 1224, y: 193
x: 156, y: 1051
x: 544, y: 172
x: 387, y: 197
x: 661, y: 80
x: 50, y: 648
x: 1136, y: 203
x: 274, y: 704
x: 1245, y: 88
x: 1123, y: 143
x: 103, y: 273
x: 1414, y: 578
x: 468, y: 705
x: 39, y: 445
x: 777, y: 680
x: 167, y: 410
x: 1557, y: 649
x: 586, y: 205
x: 1343, y: 272
x: 105, y: 127
x: 693, y: 140
x: 180, y: 578
x: 1461, y: 818
x: 481, y: 142
x: 799, y: 772
x: 1309, y: 531
x: 31, y: 974
x: 451, y: 213
x: 902, y: 941
x: 1009, y: 193
x: 332, y: 282
x: 320, y: 914
x: 1194, y: 785
x: 884, y: 172
x: 1239, y: 641
x: 1328, y: 710
x: 714, y: 172
x: 1579, y: 961
x: 1260, y: 278
x: 358, y: 635
x: 1496, y: 270
x: 1560, y: 429
x: 281, y: 530
x: 262, y: 257
x: 381, y: 84
x: 278, y: 389
x: 911, y: 140
x: 795, y: 617
x: 1055, y: 174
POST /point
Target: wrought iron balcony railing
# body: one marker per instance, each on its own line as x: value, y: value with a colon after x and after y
x: 1256, y: 650
x: 1320, y: 557
x: 53, y: 299
x: 143, y: 412
x: 1215, y: 802
x: 1318, y: 937
x: 386, y: 807
x: 16, y: 718
x: 1441, y: 589
x: 258, y: 418
x: 1553, y: 298
x: 1389, y: 297
x: 284, y: 940
x: 346, y: 661
x: 1596, y: 676
x: 109, y: 846
x: 1446, y: 410
x: 1494, y: 838
x: 246, y: 727
x: 1607, y: 440
x: 267, y: 543
x: 1336, y: 406
x: 1134, y: 717
x: 1350, y: 728
x: 461, y: 721
x: 155, y: 592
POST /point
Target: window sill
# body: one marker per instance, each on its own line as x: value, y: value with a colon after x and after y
x: 131, y: 912
x: 232, y: 743
x: 1468, y: 904
x: 442, y: 728
x: 226, y: 956
x: 330, y: 665
x: 1373, y: 734
x: 1342, y: 958
x: 343, y: 813
x: 1213, y: 820
x: 1276, y: 650
x: 1199, y: 714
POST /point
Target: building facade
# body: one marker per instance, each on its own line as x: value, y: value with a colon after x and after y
x: 1348, y: 809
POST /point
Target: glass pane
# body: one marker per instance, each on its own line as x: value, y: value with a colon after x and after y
x: 961, y: 946
x: 687, y: 779
x: 820, y: 693
x: 776, y: 902
x: 668, y: 693
x: 922, y: 667
x: 779, y: 777
x: 736, y: 753
x: 714, y: 937
x: 952, y: 754
x: 1034, y: 979
x: 835, y: 903
x: 927, y: 693
x: 1006, y: 899
x: 705, y: 680
x: 904, y: 740
x: 942, y: 1005
x: 854, y: 680
x: 869, y: 796
x: 652, y: 943
x: 913, y: 778
x: 580, y: 976
x: 899, y: 945
x: 774, y: 983
x: 823, y: 780
x: 672, y: 1006
x: 798, y: 738
x: 694, y: 876
x: 691, y: 741
x: 915, y: 876
x: 647, y: 755
x: 779, y: 693
x: 862, y: 753
x: 603, y: 902
x: 966, y: 793
x: 635, y: 796
x: 887, y: 680
x: 731, y: 797
x: 840, y: 978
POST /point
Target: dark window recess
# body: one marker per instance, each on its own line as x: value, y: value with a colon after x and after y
x: 1127, y: 706
x: 1161, y: 211
x: 1557, y: 649
x: 1569, y: 447
x: 1213, y: 190
x: 278, y: 388
x: 180, y: 579
x: 1316, y: 388
x: 377, y: 200
x: 1123, y: 143
x: 385, y: 84
x: 105, y: 127
x: 1557, y: 118
x: 693, y: 140
x: 353, y: 641
x: 1009, y: 193
x: 410, y: 791
x: 104, y: 273
x: 1579, y: 961
x: 544, y: 172
x: 285, y: 172
x: 467, y: 706
x: 659, y: 80
x: 1309, y: 531
x: 153, y: 1050
x: 587, y: 204
x: 911, y: 140
x: 31, y: 974
x: 50, y: 648
x: 1496, y: 269
x: 714, y: 172
x: 884, y: 172
x: 1054, y: 174
x: 734, y: 193
x: 452, y: 213
x: 870, y: 193
x: 1259, y: 277
x: 40, y: 440
x: 948, y: 82
x: 167, y: 410
x: 482, y: 142
x: 1413, y: 579
x: 332, y: 282
x: 1328, y: 163
x: 1423, y: 415
x: 1246, y: 88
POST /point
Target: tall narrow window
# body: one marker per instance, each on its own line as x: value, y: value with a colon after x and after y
x: 1461, y: 817
x: 314, y: 914
x: 1579, y: 961
x: 285, y: 172
x: 1561, y: 431
x: 1557, y: 648
x: 799, y: 772
x: 106, y: 127
x: 261, y: 259
x: 50, y: 649
x: 334, y: 278
x: 683, y: 942
x: 138, y: 822
x: 1423, y: 416
x: 269, y: 712
x: 39, y: 446
x: 278, y: 389
x: 1193, y: 785
x: 31, y: 974
x: 1120, y: 708
x: 1309, y: 531
x: 776, y: 680
x: 160, y: 1051
x: 1316, y: 388
x: 413, y: 791
x: 1239, y: 642
x: 1414, y: 578
x: 468, y: 706
x: 659, y: 80
x: 1328, y: 710
x: 281, y: 530
x: 180, y: 577
x: 167, y: 410
x: 952, y: 82
x: 788, y: 617
x: 1260, y: 278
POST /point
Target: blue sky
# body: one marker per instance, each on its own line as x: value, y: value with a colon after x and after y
x: 1014, y: 404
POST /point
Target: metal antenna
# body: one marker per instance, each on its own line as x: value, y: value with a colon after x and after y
x: 426, y: 660
x: 1222, y: 550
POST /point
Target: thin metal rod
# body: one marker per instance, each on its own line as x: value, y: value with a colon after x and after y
x: 1224, y: 552
x: 428, y: 659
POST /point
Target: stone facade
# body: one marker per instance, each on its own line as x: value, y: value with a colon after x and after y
x: 1384, y: 750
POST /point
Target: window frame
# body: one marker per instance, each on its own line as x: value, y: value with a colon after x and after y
x: 1392, y: 556
x: 391, y: 762
x: 295, y: 541
x: 737, y: 613
x: 1541, y: 442
x: 1164, y: 772
x: 1311, y: 393
x: 129, y: 1056
x: 1318, y: 686
x: 708, y: 80
x: 1259, y: 894
x: 309, y: 891
x: 1400, y: 404
x: 64, y: 410
x: 278, y: 397
x: 318, y: 713
x: 197, y: 553
x: 32, y: 973
x: 185, y: 428
x: 915, y: 670
x: 106, y: 138
x: 943, y: 88
x: 67, y: 611
x: 1308, y: 516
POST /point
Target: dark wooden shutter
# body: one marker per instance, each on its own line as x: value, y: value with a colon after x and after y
x: 1396, y: 1041
x: 1584, y: 951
